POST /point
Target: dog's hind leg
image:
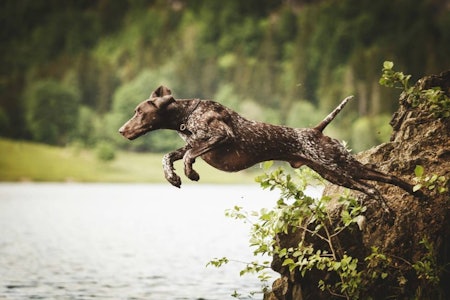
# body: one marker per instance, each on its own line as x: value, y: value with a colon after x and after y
x: 373, y: 193
x: 345, y: 180
x: 369, y: 190
x: 375, y: 175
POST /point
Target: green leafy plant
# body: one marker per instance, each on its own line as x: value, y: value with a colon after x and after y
x: 433, y: 99
x: 391, y: 78
x: 295, y: 210
x: 427, y: 268
x: 105, y: 152
x: 377, y: 264
x: 431, y: 182
x: 320, y: 248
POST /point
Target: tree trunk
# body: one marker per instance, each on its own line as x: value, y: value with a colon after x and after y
x: 418, y: 138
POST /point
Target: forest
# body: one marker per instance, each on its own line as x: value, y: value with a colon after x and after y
x: 73, y: 71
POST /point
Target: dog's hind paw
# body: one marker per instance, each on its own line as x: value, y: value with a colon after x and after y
x: 420, y: 194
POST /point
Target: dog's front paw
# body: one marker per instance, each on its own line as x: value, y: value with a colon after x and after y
x: 174, y: 180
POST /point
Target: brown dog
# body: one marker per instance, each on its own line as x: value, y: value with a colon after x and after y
x: 229, y: 142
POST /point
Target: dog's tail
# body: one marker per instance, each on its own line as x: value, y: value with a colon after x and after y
x: 321, y: 126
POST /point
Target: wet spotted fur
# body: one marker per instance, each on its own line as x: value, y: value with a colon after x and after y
x: 229, y: 142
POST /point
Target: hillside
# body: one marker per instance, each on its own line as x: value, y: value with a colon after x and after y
x: 75, y: 70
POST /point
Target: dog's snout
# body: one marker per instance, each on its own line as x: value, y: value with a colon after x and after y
x: 122, y: 130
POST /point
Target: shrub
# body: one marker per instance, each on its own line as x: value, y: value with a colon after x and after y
x: 51, y: 111
x: 106, y: 152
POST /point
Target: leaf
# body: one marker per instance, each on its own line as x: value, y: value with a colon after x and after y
x: 297, y: 253
x: 417, y: 187
x: 388, y: 65
x: 218, y: 262
x: 266, y: 217
x: 336, y: 265
x: 402, y: 280
x: 267, y: 164
x: 418, y: 170
x: 433, y: 178
x: 288, y: 261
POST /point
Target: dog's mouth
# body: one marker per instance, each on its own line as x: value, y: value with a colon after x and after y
x: 132, y: 135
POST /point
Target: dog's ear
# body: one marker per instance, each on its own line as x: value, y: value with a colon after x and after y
x: 163, y: 102
x: 160, y: 92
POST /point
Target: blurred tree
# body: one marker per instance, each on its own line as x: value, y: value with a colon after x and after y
x: 369, y: 131
x: 304, y: 114
x: 51, y: 111
x: 105, y: 151
x: 85, y: 128
x: 274, y: 53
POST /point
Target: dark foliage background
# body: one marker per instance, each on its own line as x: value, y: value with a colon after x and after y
x: 287, y: 62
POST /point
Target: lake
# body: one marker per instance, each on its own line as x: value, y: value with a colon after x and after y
x: 124, y: 241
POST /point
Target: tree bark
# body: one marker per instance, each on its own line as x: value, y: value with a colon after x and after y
x: 418, y: 138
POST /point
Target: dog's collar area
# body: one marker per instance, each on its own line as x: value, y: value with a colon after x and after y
x: 183, y: 127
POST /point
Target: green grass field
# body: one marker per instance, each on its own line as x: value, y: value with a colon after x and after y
x: 25, y: 161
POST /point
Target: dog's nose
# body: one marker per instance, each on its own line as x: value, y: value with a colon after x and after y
x: 121, y: 130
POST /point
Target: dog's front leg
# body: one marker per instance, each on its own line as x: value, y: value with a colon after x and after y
x: 200, y: 149
x: 168, y: 167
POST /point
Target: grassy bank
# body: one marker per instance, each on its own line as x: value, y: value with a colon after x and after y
x: 24, y: 161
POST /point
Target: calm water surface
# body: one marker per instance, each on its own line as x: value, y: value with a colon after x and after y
x: 124, y: 241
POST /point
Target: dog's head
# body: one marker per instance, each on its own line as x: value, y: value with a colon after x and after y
x: 148, y: 114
